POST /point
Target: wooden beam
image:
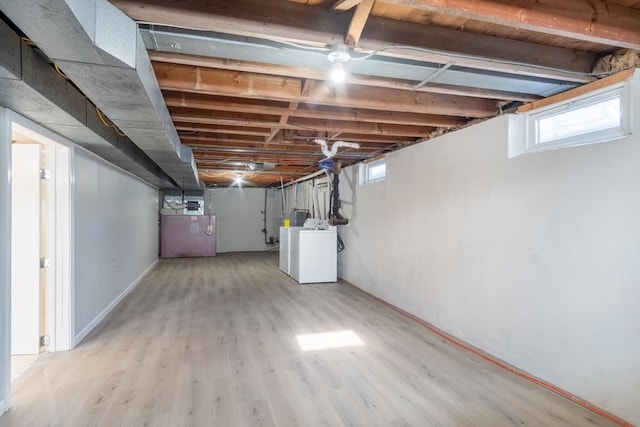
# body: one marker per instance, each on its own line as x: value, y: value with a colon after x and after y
x: 292, y: 22
x: 283, y: 121
x: 221, y: 139
x: 399, y: 100
x: 288, y: 21
x: 220, y: 129
x: 374, y: 139
x: 595, y: 21
x: 224, y: 155
x: 579, y: 91
x: 199, y: 119
x: 255, y: 86
x: 252, y: 175
x: 226, y: 82
x: 230, y: 142
x: 308, y: 86
x: 318, y: 74
x: 293, y: 106
x: 343, y: 5
x: 202, y: 144
x: 274, y: 132
x: 206, y: 105
x: 358, y: 21
x: 476, y: 51
x: 305, y: 124
x: 358, y: 127
x: 223, y: 158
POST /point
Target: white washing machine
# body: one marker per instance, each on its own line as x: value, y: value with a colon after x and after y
x: 313, y: 255
x: 285, y: 249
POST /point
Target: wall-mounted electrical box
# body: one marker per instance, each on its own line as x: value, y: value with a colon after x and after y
x: 183, y: 204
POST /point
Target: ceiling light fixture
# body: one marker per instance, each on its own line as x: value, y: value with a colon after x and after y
x: 338, y: 73
x: 339, y: 53
x: 338, y: 56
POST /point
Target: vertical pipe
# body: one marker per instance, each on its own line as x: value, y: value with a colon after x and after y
x: 284, y: 199
x: 264, y: 217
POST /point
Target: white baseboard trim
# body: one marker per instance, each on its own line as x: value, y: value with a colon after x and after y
x: 100, y: 317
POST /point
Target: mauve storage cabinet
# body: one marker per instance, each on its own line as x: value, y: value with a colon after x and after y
x: 183, y: 236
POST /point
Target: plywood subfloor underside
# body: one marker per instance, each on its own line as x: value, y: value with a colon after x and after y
x: 212, y: 342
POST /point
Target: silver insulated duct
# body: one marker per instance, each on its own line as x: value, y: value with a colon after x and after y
x: 101, y: 51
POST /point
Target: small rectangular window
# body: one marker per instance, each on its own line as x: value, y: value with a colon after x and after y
x: 601, y: 115
x: 373, y: 172
x: 376, y: 171
x: 598, y: 117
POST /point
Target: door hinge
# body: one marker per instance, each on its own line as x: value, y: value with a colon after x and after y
x: 45, y: 340
x: 45, y: 262
x: 45, y: 174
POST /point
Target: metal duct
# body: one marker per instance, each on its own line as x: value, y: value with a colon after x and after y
x: 100, y: 49
x: 30, y: 86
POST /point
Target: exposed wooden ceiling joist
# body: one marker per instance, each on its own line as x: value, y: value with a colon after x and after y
x: 222, y: 142
x: 257, y: 86
x: 358, y: 21
x: 233, y: 112
x: 304, y: 124
x: 597, y: 21
x: 284, y: 119
x: 345, y: 4
x: 298, y: 23
x: 193, y: 138
x: 372, y: 139
x: 204, y: 106
x: 317, y: 74
x: 234, y: 130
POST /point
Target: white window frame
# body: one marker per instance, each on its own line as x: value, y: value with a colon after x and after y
x: 365, y: 172
x: 622, y: 90
x: 522, y: 127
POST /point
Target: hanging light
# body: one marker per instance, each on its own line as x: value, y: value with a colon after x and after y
x: 338, y: 56
x: 339, y: 53
x: 338, y: 73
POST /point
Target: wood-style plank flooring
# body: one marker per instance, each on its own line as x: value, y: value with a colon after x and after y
x: 212, y: 342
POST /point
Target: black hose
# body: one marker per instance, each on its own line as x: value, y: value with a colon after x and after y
x: 341, y: 246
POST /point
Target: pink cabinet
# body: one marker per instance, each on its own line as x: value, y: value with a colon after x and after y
x: 184, y: 236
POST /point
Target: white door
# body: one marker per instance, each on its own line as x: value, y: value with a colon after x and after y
x: 25, y: 249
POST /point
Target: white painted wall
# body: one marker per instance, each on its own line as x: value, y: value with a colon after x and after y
x: 116, y: 237
x: 239, y: 218
x: 535, y: 260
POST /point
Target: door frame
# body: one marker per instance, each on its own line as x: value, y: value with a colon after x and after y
x: 60, y: 308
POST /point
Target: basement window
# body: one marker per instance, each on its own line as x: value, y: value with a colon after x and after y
x: 600, y: 116
x: 375, y: 171
x: 597, y: 117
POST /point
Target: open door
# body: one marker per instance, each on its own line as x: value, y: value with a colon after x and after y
x: 27, y: 299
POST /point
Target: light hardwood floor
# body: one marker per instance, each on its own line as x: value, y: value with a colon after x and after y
x: 212, y: 342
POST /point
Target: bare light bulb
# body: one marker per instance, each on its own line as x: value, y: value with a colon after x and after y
x: 338, y: 73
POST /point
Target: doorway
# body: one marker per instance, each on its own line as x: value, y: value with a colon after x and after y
x: 28, y: 252
x: 39, y: 197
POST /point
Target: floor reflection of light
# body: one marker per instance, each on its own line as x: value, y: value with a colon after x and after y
x: 326, y: 340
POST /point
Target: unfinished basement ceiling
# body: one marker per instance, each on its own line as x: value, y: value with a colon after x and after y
x: 247, y: 81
